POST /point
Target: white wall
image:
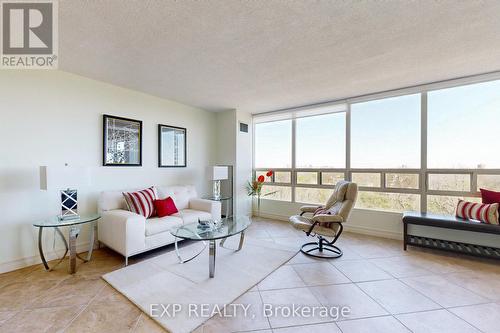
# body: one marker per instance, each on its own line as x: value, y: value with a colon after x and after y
x: 51, y: 118
x: 235, y: 148
x: 244, y: 163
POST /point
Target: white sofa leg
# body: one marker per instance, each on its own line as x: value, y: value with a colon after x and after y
x: 126, y: 261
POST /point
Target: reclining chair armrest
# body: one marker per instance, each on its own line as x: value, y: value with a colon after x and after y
x: 326, y: 218
x: 123, y: 231
x: 209, y: 206
x: 308, y: 209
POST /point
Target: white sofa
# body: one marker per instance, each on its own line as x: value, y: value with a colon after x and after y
x: 128, y: 233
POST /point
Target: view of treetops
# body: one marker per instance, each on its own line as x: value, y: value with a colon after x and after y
x: 386, y: 157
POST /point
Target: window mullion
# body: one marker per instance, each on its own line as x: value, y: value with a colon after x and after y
x: 294, y: 174
x: 348, y: 143
x: 423, y: 152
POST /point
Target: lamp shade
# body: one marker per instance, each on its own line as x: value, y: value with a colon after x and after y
x: 57, y: 178
x: 218, y: 172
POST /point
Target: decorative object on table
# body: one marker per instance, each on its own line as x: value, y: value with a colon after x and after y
x: 172, y: 146
x: 74, y: 230
x: 122, y: 141
x: 254, y: 188
x: 65, y: 177
x: 210, y: 224
x: 141, y: 202
x: 217, y: 173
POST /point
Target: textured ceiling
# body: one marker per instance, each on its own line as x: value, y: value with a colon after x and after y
x: 265, y: 55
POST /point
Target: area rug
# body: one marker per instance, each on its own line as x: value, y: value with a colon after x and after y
x: 181, y: 297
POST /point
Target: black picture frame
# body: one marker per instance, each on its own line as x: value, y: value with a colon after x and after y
x: 105, y: 160
x: 161, y: 144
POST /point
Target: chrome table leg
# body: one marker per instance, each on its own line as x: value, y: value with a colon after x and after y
x: 40, y: 248
x: 242, y: 239
x: 240, y: 245
x: 182, y: 261
x: 73, y: 234
x: 92, y: 242
x: 211, y: 258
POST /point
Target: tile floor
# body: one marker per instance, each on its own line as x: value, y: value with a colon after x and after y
x: 385, y: 289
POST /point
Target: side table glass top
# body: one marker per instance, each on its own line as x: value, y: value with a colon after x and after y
x: 229, y: 227
x: 55, y: 222
x: 210, y: 197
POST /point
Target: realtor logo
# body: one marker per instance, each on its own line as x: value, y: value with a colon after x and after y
x: 29, y: 34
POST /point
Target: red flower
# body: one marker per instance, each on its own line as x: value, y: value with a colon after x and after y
x: 269, y: 173
x: 260, y: 179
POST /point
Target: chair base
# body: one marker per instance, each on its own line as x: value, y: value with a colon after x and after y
x: 319, y: 249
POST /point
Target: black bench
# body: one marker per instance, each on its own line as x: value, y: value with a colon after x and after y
x: 449, y: 222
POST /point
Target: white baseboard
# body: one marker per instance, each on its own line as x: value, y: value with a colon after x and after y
x: 372, y: 232
x: 347, y: 227
x: 272, y: 216
x: 34, y: 260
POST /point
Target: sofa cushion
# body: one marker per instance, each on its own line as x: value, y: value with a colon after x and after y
x: 192, y: 216
x: 180, y: 194
x: 157, y: 225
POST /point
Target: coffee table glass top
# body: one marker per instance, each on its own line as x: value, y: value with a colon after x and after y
x: 228, y: 227
x: 55, y: 222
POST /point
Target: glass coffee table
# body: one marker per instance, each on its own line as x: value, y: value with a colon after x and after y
x: 225, y: 228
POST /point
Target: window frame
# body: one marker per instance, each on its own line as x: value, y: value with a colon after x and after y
x: 423, y: 187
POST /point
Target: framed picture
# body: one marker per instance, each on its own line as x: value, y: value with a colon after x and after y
x: 172, y: 146
x: 122, y: 141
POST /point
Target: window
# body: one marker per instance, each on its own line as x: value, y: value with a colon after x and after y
x: 312, y: 195
x: 460, y: 121
x: 385, y: 133
x: 366, y: 179
x: 377, y: 144
x: 307, y: 177
x: 442, y: 204
x: 320, y: 141
x: 273, y: 144
x: 282, y: 193
x: 402, y: 180
x: 449, y: 182
x: 331, y: 178
x: 393, y: 202
x: 491, y: 182
x: 283, y: 177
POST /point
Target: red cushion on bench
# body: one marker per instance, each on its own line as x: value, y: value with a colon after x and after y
x: 489, y: 196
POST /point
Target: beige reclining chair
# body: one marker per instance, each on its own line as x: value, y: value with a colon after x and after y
x: 327, y: 222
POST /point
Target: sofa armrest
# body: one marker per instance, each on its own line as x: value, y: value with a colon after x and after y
x: 123, y: 231
x: 212, y: 207
x: 326, y: 218
x: 309, y: 209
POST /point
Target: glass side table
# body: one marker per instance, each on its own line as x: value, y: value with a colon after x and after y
x: 74, y: 230
x: 222, y: 198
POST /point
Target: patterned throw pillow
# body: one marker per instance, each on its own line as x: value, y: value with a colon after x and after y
x: 141, y: 202
x: 487, y: 213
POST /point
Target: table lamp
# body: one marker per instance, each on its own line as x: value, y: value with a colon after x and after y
x: 65, y: 179
x: 217, y: 174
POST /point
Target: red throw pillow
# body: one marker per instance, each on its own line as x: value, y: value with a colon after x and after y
x: 490, y: 197
x: 165, y: 207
